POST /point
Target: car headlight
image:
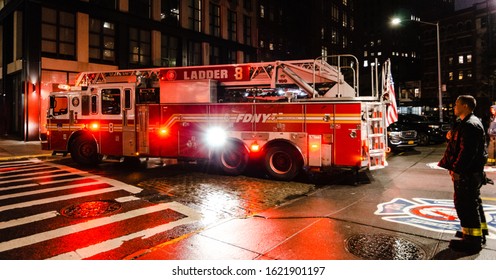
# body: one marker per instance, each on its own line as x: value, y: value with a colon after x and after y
x: 394, y: 133
x: 435, y: 126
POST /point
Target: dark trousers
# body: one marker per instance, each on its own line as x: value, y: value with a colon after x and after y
x: 468, y: 203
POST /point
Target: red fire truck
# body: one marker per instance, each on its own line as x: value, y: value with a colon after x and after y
x: 287, y: 116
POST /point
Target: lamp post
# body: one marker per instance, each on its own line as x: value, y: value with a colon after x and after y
x: 397, y: 21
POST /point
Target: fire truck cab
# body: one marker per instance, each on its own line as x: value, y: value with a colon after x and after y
x: 287, y: 116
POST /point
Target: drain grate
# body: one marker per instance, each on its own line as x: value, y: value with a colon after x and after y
x: 91, y: 209
x: 383, y: 247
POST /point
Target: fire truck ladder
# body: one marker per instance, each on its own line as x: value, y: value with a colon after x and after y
x: 376, y: 141
x: 129, y: 76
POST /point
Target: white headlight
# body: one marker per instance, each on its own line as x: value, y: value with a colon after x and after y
x: 216, y: 136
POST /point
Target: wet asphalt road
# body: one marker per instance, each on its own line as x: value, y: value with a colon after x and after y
x: 215, y: 195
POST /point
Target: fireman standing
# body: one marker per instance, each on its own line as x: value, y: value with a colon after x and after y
x: 492, y: 137
x: 465, y: 157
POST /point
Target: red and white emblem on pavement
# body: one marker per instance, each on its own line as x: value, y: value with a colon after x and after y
x: 431, y: 214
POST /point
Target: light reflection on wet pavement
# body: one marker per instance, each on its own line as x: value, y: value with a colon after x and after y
x: 218, y: 196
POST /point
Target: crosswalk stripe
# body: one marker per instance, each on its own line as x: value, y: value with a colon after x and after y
x: 46, y: 183
x: 29, y: 219
x: 43, y: 177
x: 29, y: 175
x: 47, y: 235
x: 115, y: 243
x: 57, y: 198
x: 25, y: 169
x: 7, y: 196
x: 15, y: 162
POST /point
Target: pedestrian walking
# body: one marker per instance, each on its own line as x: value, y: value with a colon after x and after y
x: 465, y: 157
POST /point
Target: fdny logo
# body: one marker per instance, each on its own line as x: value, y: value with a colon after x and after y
x: 253, y: 118
x: 431, y: 214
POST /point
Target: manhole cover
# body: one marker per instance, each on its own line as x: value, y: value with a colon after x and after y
x: 383, y: 247
x: 91, y: 209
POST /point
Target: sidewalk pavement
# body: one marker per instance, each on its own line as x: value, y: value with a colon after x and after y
x: 12, y: 149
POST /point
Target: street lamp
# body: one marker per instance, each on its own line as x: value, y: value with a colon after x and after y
x: 397, y: 21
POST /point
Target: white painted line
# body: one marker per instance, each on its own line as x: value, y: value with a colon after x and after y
x: 42, y: 177
x: 29, y: 219
x: 58, y: 198
x: 56, y: 233
x: 29, y: 175
x: 68, y: 180
x: 18, y: 187
x: 15, y: 163
x: 126, y: 199
x: 124, y: 186
x: 26, y: 169
x: 46, y: 183
x: 47, y: 190
x: 115, y: 243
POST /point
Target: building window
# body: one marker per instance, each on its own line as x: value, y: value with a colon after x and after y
x: 232, y: 29
x: 140, y: 8
x: 214, y: 20
x: 345, y: 20
x: 169, y: 51
x: 460, y: 75
x: 469, y: 74
x: 450, y: 60
x: 194, y: 53
x: 345, y: 2
x: 450, y: 75
x: 110, y: 4
x: 247, y: 5
x: 460, y: 59
x: 231, y: 57
x: 262, y: 11
x: 335, y: 13
x: 102, y: 41
x: 214, y: 55
x: 139, y: 46
x: 170, y: 12
x: 58, y: 34
x: 469, y: 58
x: 195, y: 19
x: 247, y: 30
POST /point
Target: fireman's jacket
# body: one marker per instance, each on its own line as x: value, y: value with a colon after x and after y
x: 466, y: 151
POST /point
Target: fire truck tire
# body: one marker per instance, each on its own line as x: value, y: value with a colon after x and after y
x: 282, y: 162
x: 84, y: 151
x: 232, y: 159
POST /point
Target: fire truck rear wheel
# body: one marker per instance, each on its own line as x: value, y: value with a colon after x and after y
x: 84, y: 151
x: 233, y: 159
x: 282, y: 162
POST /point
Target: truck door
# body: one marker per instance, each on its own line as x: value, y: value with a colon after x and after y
x: 111, y: 123
x: 62, y: 119
x: 128, y: 123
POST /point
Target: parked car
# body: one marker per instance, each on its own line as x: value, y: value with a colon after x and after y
x: 401, y: 137
x: 428, y: 131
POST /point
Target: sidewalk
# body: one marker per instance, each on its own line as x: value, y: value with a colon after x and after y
x: 12, y: 149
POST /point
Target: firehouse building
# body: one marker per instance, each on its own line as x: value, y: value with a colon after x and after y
x: 45, y: 44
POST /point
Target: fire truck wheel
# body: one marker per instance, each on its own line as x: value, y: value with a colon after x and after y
x: 282, y: 162
x: 84, y: 151
x: 233, y: 159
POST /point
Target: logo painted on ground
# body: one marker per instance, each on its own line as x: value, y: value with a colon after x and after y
x: 430, y: 214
